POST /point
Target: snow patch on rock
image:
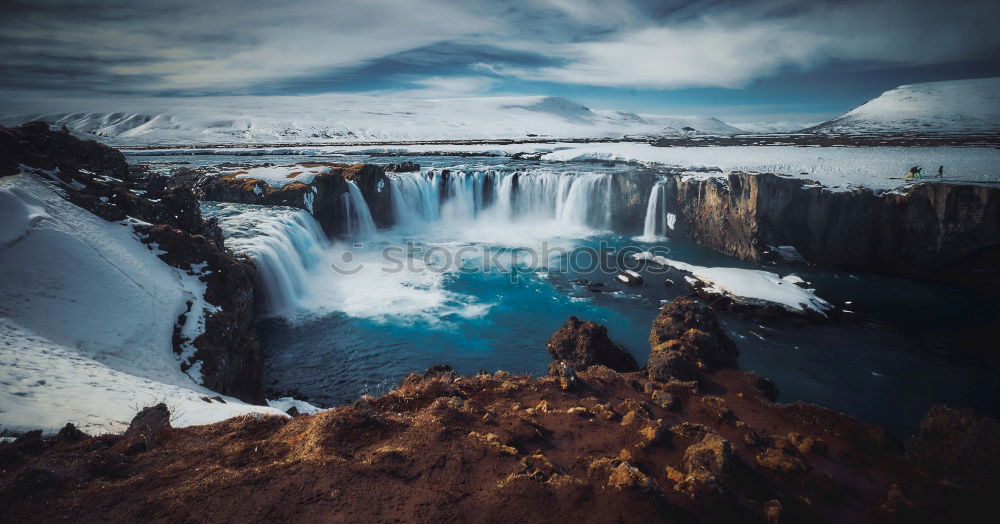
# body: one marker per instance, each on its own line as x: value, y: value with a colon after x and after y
x: 280, y: 176
x: 747, y: 284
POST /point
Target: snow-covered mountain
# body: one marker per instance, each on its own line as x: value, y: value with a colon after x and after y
x: 356, y: 118
x: 952, y: 107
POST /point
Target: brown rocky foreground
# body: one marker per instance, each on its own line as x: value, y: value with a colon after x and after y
x: 689, y: 439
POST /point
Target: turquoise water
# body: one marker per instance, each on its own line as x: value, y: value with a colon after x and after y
x: 909, y: 345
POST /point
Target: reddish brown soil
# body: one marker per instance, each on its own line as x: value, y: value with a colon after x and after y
x: 496, y: 448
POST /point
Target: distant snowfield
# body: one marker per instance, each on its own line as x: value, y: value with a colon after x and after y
x: 354, y: 118
x: 834, y: 167
x: 86, y: 317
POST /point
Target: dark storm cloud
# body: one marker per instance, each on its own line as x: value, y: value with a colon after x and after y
x: 230, y: 46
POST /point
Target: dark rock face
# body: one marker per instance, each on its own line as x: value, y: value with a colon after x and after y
x: 326, y: 203
x: 629, y: 198
x: 931, y: 230
x: 584, y: 344
x: 228, y: 348
x: 374, y: 186
x: 96, y: 178
x: 960, y: 445
x: 323, y: 198
x: 402, y: 167
x: 34, y: 145
x: 686, y: 335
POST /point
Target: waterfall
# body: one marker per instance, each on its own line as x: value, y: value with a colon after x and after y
x: 414, y: 198
x: 359, y: 217
x: 583, y: 200
x: 584, y: 203
x: 655, y: 226
x: 285, y: 244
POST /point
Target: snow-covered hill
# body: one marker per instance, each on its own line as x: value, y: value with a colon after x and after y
x: 952, y: 107
x: 355, y: 118
x: 87, y: 315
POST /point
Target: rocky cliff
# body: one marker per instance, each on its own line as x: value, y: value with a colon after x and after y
x: 690, y: 439
x: 928, y: 230
x: 98, y: 179
x: 323, y: 196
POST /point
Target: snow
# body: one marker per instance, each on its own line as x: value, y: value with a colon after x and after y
x: 87, y: 315
x: 194, y: 320
x: 874, y: 167
x: 841, y: 168
x: 286, y: 403
x: 748, y: 285
x: 781, y: 126
x: 280, y: 176
x: 949, y: 107
x: 342, y: 118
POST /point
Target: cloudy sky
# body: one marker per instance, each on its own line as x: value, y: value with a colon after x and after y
x: 737, y: 59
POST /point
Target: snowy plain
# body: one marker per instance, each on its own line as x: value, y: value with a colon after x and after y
x: 880, y: 167
x: 87, y: 314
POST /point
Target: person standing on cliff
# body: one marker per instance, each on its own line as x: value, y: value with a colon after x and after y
x: 940, y: 172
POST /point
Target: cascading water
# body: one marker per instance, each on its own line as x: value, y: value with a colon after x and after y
x: 414, y: 198
x: 359, y: 217
x: 285, y: 243
x: 655, y: 226
x: 577, y: 200
x: 584, y: 204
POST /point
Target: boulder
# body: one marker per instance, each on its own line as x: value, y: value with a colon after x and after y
x: 584, y: 344
x: 710, y: 458
x: 70, y: 433
x: 687, y: 335
x: 144, y: 431
x: 960, y: 445
x: 402, y: 167
x: 707, y: 463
